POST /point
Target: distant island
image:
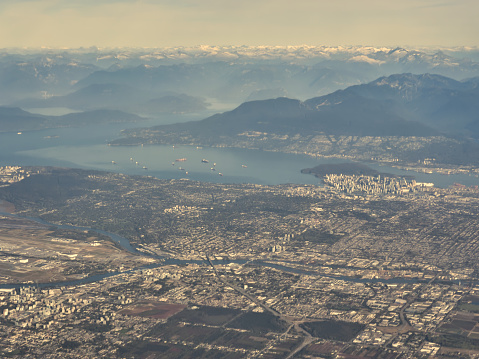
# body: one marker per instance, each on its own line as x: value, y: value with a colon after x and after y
x: 122, y: 98
x: 14, y: 119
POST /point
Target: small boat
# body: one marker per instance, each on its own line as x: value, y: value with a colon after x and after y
x: 244, y: 166
x: 205, y: 160
x: 172, y: 163
x: 213, y: 169
x: 180, y: 160
x: 131, y: 158
x: 145, y: 168
x: 113, y: 162
x: 220, y: 174
x: 181, y: 168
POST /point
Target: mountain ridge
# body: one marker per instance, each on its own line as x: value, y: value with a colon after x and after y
x: 14, y: 119
x: 420, y: 112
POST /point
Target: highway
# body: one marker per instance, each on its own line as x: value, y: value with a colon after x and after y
x: 307, y: 336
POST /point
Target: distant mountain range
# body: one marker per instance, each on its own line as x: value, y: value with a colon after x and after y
x: 120, y: 97
x: 231, y: 74
x: 39, y: 76
x: 14, y: 119
x: 441, y: 103
x: 239, y: 81
x: 397, y: 106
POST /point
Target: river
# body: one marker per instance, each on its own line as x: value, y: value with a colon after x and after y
x: 125, y: 244
x: 87, y: 148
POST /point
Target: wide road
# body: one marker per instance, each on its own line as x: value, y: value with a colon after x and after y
x: 307, y: 336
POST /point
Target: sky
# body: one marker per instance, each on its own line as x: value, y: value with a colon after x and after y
x: 164, y: 23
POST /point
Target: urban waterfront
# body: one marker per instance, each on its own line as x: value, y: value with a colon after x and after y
x: 87, y: 148
x: 373, y: 268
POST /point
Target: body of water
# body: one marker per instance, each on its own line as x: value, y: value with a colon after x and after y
x: 125, y: 244
x: 87, y: 148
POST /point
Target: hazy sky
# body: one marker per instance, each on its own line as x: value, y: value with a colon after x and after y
x: 160, y: 23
